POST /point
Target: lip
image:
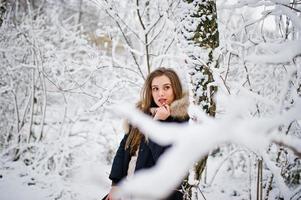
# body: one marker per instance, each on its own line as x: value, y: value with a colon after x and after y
x: 162, y: 100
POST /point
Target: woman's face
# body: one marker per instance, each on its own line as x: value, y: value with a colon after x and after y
x: 162, y: 91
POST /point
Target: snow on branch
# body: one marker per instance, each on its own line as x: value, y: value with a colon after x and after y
x: 290, y: 143
x: 192, y: 142
x: 280, y: 53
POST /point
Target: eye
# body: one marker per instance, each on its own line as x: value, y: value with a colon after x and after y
x: 154, y: 89
x: 167, y: 87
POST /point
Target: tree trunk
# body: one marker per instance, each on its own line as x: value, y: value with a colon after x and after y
x: 3, y: 4
x: 79, y: 13
x: 205, y: 39
x: 259, y: 179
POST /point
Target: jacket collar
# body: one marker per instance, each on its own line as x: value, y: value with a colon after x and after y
x: 179, y: 107
x: 178, y: 110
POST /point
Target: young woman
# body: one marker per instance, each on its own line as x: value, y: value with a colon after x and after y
x: 162, y: 97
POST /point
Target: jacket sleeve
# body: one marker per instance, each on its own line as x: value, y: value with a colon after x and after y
x: 117, y: 170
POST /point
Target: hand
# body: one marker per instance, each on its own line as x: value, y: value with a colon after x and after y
x: 111, y: 193
x: 153, y: 111
x: 162, y: 112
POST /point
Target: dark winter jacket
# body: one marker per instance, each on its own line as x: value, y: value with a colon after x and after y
x: 149, y: 152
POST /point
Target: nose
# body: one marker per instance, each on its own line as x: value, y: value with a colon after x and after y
x: 161, y: 92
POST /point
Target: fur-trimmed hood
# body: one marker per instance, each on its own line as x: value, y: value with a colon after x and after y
x: 178, y: 110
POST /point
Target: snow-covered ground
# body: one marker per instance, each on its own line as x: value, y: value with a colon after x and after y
x: 88, y: 182
x: 91, y: 182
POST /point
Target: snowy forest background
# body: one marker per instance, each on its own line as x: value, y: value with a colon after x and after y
x: 66, y: 65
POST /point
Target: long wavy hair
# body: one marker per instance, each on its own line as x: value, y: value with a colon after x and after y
x: 147, y: 101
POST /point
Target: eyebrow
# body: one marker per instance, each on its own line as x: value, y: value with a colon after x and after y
x: 163, y: 84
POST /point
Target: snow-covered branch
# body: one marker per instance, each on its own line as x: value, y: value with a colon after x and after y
x: 189, y: 140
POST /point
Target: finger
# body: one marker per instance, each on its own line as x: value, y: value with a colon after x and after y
x: 167, y: 108
x: 164, y: 107
x: 153, y: 111
x: 161, y: 108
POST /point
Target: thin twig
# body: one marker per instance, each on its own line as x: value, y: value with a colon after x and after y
x: 145, y: 37
x: 293, y: 149
x: 16, y: 110
x: 201, y: 193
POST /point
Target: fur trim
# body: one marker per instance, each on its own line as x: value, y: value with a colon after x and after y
x: 126, y: 126
x: 179, y: 108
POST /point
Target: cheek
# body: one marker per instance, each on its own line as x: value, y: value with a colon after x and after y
x: 171, y: 94
x: 154, y: 96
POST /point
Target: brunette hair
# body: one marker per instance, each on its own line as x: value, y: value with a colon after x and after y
x: 147, y: 101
